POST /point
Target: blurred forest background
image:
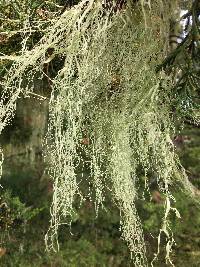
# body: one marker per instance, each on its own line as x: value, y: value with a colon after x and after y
x: 26, y: 190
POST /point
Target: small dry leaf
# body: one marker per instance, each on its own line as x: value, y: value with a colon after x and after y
x: 85, y: 141
x: 156, y: 197
x: 2, y: 251
x: 42, y: 13
x: 3, y: 38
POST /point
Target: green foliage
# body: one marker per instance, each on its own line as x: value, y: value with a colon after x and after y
x: 13, y: 212
x: 95, y: 242
x: 183, y: 62
x: 189, y: 153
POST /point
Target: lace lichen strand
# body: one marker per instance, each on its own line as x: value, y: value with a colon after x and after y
x: 124, y: 190
x: 108, y: 86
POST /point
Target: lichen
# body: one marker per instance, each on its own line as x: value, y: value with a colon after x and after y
x: 108, y: 100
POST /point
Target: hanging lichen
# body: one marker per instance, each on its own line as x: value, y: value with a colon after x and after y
x: 109, y: 101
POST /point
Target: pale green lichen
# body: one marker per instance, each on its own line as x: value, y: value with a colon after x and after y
x: 109, y: 95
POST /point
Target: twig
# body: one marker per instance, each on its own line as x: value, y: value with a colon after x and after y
x: 38, y: 96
